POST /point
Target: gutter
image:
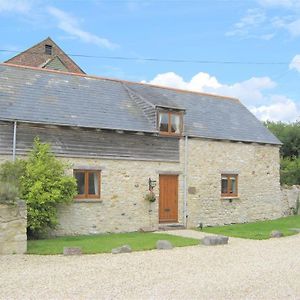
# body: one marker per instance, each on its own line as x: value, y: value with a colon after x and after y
x: 185, y: 174
x: 14, y: 140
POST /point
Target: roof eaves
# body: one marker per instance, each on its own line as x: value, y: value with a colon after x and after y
x: 77, y: 125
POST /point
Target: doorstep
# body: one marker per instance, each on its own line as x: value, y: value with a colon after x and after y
x: 170, y: 226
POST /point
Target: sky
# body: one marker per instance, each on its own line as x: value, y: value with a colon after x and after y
x: 248, y: 49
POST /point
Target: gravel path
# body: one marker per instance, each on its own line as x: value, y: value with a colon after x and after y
x: 243, y: 269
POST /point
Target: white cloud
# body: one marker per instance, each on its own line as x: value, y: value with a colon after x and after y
x: 70, y: 25
x: 19, y: 6
x: 282, y: 3
x: 281, y: 109
x: 295, y: 63
x: 251, y: 92
x: 293, y: 28
x: 197, y: 83
x: 253, y: 18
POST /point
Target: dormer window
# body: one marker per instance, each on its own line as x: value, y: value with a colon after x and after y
x: 48, y: 49
x: 170, y: 122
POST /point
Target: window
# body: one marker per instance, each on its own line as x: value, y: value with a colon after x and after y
x: 48, y: 49
x: 88, y: 184
x: 229, y: 184
x: 170, y: 122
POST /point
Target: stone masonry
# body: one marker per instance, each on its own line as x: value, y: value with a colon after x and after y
x: 13, y: 225
x: 121, y: 207
x: 124, y: 184
x: 257, y: 166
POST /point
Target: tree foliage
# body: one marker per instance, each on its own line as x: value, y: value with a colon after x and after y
x: 289, y: 135
x: 42, y: 183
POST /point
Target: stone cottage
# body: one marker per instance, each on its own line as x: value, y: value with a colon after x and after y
x: 206, y: 158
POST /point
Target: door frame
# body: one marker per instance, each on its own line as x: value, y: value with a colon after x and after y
x: 176, y: 220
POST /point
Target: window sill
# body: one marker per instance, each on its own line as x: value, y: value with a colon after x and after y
x: 165, y: 134
x: 95, y: 200
x: 230, y: 198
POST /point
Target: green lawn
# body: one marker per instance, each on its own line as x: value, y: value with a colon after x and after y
x: 105, y: 242
x: 258, y: 230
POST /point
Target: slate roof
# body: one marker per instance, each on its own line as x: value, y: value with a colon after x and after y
x: 51, y: 97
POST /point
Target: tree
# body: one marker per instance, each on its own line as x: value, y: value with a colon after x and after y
x: 43, y: 184
x: 289, y: 135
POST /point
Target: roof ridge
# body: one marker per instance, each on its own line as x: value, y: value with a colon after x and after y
x: 218, y: 97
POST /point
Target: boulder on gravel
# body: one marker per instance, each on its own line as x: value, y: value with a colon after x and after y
x: 72, y: 251
x: 164, y: 244
x: 122, y: 249
x: 276, y: 234
x: 213, y: 240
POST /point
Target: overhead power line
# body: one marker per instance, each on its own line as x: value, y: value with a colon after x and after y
x: 170, y: 60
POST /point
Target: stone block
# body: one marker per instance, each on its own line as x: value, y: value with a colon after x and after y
x: 295, y: 229
x: 147, y: 229
x: 164, y: 245
x: 122, y: 249
x: 192, y: 190
x: 13, y: 223
x: 213, y: 240
x: 72, y: 251
x: 276, y: 234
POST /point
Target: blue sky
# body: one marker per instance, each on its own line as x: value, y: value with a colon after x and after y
x: 252, y: 47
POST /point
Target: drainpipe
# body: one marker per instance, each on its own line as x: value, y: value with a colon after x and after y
x: 185, y: 181
x: 14, y: 140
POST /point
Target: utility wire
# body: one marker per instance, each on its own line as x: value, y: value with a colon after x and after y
x: 152, y: 59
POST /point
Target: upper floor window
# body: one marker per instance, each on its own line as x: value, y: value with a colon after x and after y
x: 48, y: 49
x: 88, y: 183
x: 170, y: 122
x: 229, y: 185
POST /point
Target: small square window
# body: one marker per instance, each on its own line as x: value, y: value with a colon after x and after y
x: 170, y: 123
x: 229, y: 186
x: 48, y: 49
x: 88, y: 183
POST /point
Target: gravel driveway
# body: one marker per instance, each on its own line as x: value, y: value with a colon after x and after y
x: 243, y: 269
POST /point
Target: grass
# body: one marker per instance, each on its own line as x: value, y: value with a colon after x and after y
x: 258, y: 230
x: 104, y: 243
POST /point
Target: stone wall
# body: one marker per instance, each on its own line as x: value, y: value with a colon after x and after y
x: 121, y: 207
x: 257, y: 166
x: 13, y: 225
x: 124, y: 184
x: 290, y: 195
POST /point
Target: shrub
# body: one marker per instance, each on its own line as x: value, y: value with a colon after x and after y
x: 8, y: 193
x: 290, y: 171
x: 43, y: 186
x: 11, y: 172
x: 41, y: 182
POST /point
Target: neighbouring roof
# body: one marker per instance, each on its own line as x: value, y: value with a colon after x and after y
x: 50, y: 97
x: 36, y: 56
x: 55, y: 63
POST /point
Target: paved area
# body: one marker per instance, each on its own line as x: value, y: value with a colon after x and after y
x: 243, y: 269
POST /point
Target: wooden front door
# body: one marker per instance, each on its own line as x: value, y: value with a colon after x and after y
x: 168, y: 198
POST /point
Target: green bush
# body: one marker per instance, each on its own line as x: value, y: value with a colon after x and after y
x: 8, y: 193
x: 42, y: 183
x: 43, y: 186
x: 290, y: 171
x: 11, y: 172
